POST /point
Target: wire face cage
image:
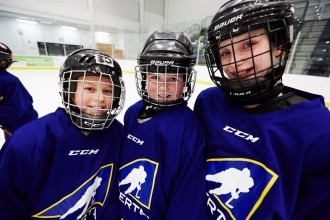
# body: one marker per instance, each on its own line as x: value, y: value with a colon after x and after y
x: 165, y: 85
x: 92, y: 100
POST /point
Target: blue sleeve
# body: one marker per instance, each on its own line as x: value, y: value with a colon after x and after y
x: 188, y: 198
x: 196, y: 106
x: 16, y: 106
x: 16, y: 177
x: 16, y: 100
x: 315, y: 175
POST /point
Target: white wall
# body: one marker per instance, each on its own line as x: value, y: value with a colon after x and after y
x: 119, y: 18
x: 115, y: 13
x: 70, y: 11
x: 22, y: 38
x: 109, y: 12
x: 181, y: 11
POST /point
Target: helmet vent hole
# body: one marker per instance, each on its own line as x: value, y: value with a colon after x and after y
x: 218, y: 35
x: 235, y: 27
x: 86, y: 59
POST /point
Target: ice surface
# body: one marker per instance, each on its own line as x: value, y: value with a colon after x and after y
x: 43, y: 87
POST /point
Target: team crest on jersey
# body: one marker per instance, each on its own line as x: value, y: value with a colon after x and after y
x: 236, y: 187
x: 82, y: 203
x: 137, y: 180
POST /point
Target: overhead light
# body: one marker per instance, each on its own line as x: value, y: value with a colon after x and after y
x: 327, y: 42
x: 24, y: 18
x: 27, y: 21
x: 46, y: 22
x: 104, y: 33
x: 69, y: 28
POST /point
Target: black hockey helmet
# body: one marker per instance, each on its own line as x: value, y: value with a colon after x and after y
x: 243, y: 16
x: 164, y: 53
x: 6, y: 56
x: 90, y: 62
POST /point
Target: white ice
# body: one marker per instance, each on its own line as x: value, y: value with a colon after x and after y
x: 43, y: 87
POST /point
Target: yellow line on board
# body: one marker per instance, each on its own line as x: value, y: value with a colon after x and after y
x: 205, y: 83
x: 34, y: 68
x: 129, y: 71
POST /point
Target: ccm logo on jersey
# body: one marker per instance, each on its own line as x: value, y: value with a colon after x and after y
x: 135, y: 139
x: 83, y: 152
x: 240, y: 134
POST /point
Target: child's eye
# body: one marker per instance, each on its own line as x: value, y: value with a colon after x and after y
x: 89, y: 89
x: 109, y: 91
x: 248, y: 44
x: 174, y: 79
x: 224, y: 53
x: 153, y: 78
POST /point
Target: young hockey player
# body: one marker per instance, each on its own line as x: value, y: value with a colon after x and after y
x: 64, y: 165
x: 16, y: 103
x: 268, y: 154
x: 162, y: 159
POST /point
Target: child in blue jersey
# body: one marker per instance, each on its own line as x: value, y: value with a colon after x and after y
x: 268, y: 154
x: 64, y: 165
x: 162, y: 160
x: 16, y: 103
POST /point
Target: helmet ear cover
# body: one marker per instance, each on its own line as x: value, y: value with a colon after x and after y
x: 3, y: 63
x: 6, y: 56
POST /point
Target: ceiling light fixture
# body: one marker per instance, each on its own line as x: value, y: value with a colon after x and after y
x: 46, y: 22
x: 27, y: 21
x: 69, y: 28
x: 104, y: 33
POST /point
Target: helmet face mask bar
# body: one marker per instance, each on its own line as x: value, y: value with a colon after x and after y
x: 164, y: 85
x: 92, y: 89
x: 237, y: 29
x: 165, y: 75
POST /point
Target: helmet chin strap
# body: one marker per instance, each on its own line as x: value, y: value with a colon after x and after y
x: 278, y: 54
x: 149, y: 110
x: 88, y: 122
x: 245, y: 92
x: 276, y: 61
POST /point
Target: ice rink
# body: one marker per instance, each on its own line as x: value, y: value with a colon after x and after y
x: 43, y: 86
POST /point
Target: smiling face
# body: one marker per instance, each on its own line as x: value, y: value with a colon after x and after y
x: 94, y: 94
x: 165, y: 87
x: 247, y: 57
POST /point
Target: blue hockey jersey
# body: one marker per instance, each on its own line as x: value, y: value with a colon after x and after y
x: 16, y: 104
x: 50, y: 170
x: 273, y: 165
x: 162, y: 166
